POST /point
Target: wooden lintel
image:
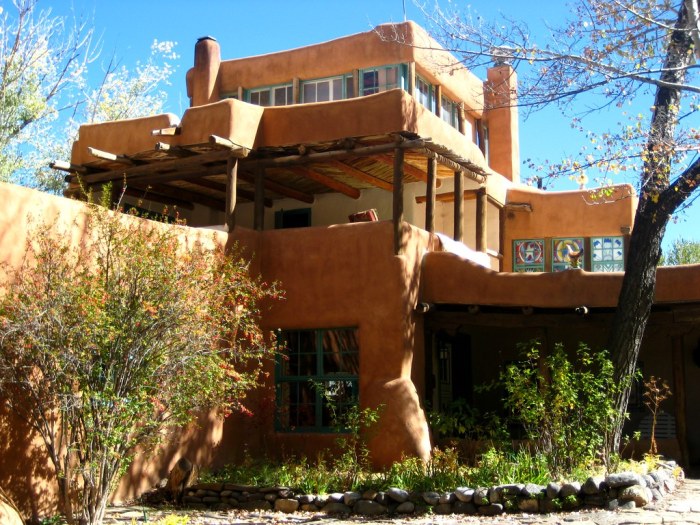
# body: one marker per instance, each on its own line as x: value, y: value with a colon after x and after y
x: 469, y: 195
x: 218, y: 186
x: 327, y: 181
x: 177, y: 196
x: 361, y: 175
x: 278, y: 188
x: 519, y: 206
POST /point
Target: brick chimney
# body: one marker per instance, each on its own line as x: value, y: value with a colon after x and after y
x: 202, y: 79
x: 501, y: 115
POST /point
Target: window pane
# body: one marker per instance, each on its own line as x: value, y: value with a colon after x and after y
x: 297, y: 405
x: 323, y: 91
x: 340, y: 352
x: 264, y: 98
x: 349, y: 86
x: 338, y: 398
x: 300, y: 353
x: 337, y: 89
x: 281, y: 96
x: 392, y: 78
x: 310, y: 92
x: 370, y: 82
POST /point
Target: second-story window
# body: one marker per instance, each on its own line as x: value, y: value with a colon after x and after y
x: 327, y: 89
x: 449, y: 112
x: 377, y: 79
x: 424, y: 93
x: 271, y: 95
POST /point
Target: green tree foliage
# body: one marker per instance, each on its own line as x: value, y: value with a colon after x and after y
x: 611, y: 54
x: 45, y: 61
x: 683, y: 251
x: 106, y: 345
x: 565, y: 405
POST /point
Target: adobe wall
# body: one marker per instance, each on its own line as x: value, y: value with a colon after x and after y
x: 579, y: 213
x: 351, y: 265
x: 25, y: 470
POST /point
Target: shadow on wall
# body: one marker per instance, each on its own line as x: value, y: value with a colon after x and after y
x: 26, y: 473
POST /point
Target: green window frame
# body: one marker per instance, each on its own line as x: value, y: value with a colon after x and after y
x: 425, y: 93
x: 316, y: 378
x: 383, y: 78
x: 449, y: 111
x: 276, y: 95
x: 327, y: 89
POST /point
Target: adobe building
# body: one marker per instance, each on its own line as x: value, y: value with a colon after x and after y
x: 378, y: 181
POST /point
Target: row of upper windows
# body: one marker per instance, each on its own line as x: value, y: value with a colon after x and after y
x: 371, y: 81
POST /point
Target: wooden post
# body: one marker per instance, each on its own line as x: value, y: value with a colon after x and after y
x: 437, y: 89
x: 259, y: 206
x: 231, y: 179
x: 412, y: 79
x: 296, y: 90
x: 459, y: 207
x: 679, y: 397
x: 398, y: 200
x: 481, y: 225
x: 430, y: 196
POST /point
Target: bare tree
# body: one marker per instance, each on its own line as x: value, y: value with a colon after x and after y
x: 611, y: 53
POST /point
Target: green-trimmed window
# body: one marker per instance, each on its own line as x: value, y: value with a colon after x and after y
x: 449, y: 112
x: 424, y: 93
x: 281, y: 95
x: 316, y: 378
x: 383, y: 78
x: 327, y: 89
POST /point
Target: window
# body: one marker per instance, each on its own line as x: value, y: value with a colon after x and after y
x: 316, y: 378
x: 449, y: 112
x: 424, y: 93
x: 272, y: 95
x: 377, y: 79
x: 595, y: 254
x: 326, y: 89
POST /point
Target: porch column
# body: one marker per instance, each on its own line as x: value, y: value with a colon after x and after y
x: 259, y: 206
x: 231, y: 176
x: 481, y: 228
x: 459, y: 207
x: 430, y: 196
x: 398, y: 200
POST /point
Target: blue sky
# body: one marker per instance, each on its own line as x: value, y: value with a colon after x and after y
x: 128, y: 27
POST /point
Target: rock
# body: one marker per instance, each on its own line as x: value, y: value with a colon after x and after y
x: 367, y: 507
x: 270, y: 496
x: 370, y: 494
x: 569, y: 489
x: 443, y: 508
x: 211, y: 499
x: 650, y: 481
x: 9, y: 513
x: 595, y: 500
x: 669, y: 484
x: 308, y: 507
x: 481, y: 496
x: 593, y: 485
x: 285, y: 493
x: 464, y: 494
x: 531, y: 490
x: 550, y: 505
x: 552, y: 490
x: 382, y: 499
x: 322, y: 499
x: 407, y: 507
x: 492, y: 509
x: 462, y: 507
x: 398, y: 495
x: 624, y: 479
x: 448, y: 497
x: 637, y: 493
x: 627, y: 505
x: 613, y: 504
x: 350, y: 498
x: 494, y: 495
x: 286, y: 505
x: 511, y: 490
x: 336, y: 497
x: 191, y: 499
x: 182, y: 476
x: 571, y: 502
x: 656, y: 495
x: 528, y: 505
x: 431, y: 498
x: 240, y: 488
x: 305, y: 499
x: 258, y: 504
x: 334, y: 507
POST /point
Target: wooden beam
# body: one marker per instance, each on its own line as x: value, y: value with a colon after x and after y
x: 167, y: 132
x: 231, y: 182
x: 438, y: 100
x: 430, y: 196
x: 148, y: 193
x: 410, y: 169
x: 397, y: 214
x: 218, y: 186
x: 224, y: 143
x: 112, y: 157
x: 175, y: 150
x: 259, y: 208
x: 278, y: 188
x: 459, y: 208
x: 327, y: 181
x: 481, y: 220
x: 165, y: 170
x: 361, y: 175
x: 62, y: 165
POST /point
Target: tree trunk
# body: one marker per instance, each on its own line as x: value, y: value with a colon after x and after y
x: 635, y: 302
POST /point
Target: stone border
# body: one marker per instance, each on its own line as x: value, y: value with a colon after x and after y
x: 622, y: 490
